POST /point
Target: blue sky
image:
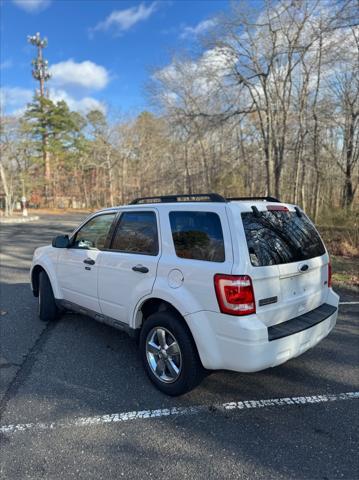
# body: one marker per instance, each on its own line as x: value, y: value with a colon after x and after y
x: 100, y: 51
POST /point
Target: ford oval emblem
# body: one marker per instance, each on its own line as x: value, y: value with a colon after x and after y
x: 303, y: 268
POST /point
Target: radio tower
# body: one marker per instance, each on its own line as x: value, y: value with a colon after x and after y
x: 40, y: 70
x: 41, y: 73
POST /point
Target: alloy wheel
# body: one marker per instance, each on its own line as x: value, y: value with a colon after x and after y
x: 163, y: 354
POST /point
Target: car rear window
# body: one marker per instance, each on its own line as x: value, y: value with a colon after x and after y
x: 197, y: 235
x: 278, y: 237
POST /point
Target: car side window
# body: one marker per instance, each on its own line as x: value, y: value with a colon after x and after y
x: 136, y: 233
x: 198, y: 235
x: 94, y: 233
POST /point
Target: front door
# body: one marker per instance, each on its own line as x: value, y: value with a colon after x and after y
x: 128, y: 268
x: 77, y: 266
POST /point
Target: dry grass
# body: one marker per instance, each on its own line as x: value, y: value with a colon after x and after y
x: 341, y: 241
x: 58, y: 211
x: 345, y: 272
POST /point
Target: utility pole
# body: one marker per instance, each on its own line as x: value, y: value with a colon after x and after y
x: 41, y: 73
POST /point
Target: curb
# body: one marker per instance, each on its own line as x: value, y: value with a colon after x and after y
x: 13, y: 221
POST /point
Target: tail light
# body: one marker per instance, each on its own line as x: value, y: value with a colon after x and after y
x: 235, y: 294
x: 277, y: 208
x: 329, y: 274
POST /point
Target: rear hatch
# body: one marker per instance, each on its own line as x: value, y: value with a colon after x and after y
x: 288, y: 262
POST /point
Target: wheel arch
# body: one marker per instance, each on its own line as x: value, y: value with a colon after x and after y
x: 50, y: 272
x: 154, y: 304
x: 35, y: 279
x: 151, y: 305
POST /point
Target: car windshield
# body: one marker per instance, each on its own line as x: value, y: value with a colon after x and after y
x: 277, y: 237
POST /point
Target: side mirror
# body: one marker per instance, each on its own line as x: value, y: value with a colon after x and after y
x: 61, y: 241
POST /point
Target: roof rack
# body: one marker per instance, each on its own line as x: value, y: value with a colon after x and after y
x: 201, y: 197
x: 265, y: 199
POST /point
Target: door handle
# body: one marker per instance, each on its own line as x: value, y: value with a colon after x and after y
x: 140, y: 268
x: 89, y: 261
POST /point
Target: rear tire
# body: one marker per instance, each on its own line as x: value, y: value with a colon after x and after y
x: 177, y: 370
x: 48, y: 310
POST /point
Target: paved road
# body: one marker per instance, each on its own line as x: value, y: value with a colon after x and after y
x: 54, y: 374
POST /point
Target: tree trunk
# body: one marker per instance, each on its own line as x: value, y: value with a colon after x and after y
x: 47, y: 167
x: 348, y: 193
x: 187, y: 174
x: 7, y: 191
x: 316, y: 195
x: 110, y: 182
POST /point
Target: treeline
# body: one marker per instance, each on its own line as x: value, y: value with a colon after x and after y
x: 267, y: 105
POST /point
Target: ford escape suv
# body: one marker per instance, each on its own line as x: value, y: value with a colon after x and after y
x: 203, y: 282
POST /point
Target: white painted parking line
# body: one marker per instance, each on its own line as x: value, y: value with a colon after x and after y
x: 348, y: 303
x: 183, y: 411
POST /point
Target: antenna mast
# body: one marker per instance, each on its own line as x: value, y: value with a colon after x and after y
x: 40, y: 70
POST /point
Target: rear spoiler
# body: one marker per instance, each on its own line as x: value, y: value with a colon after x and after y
x: 274, y: 208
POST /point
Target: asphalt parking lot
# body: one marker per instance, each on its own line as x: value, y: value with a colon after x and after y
x: 75, y: 402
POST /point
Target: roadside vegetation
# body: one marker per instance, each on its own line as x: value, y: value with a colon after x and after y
x: 345, y: 272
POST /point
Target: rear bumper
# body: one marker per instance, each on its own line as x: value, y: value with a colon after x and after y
x: 303, y: 322
x: 243, y: 344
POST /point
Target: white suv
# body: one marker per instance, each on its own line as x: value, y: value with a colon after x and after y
x: 203, y: 282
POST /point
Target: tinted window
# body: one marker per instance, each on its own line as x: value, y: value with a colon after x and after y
x: 94, y: 233
x: 197, y: 235
x: 137, y: 233
x: 280, y: 237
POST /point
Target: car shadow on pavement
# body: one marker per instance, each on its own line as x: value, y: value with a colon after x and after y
x: 86, y: 368
x: 78, y: 367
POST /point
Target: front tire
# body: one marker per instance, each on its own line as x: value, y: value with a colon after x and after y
x: 48, y: 310
x: 169, y: 355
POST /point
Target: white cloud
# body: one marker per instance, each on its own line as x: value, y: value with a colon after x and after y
x: 199, y: 29
x: 6, y: 64
x: 219, y: 60
x: 122, y: 20
x: 85, y: 74
x: 213, y: 65
x: 71, y: 82
x: 82, y: 105
x: 32, y: 5
x: 14, y: 98
x: 202, y: 82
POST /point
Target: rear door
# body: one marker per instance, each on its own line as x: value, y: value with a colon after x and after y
x: 128, y: 267
x: 197, y: 245
x: 288, y: 262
